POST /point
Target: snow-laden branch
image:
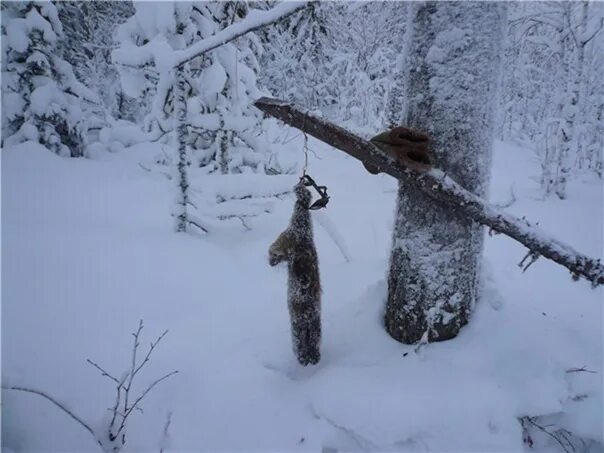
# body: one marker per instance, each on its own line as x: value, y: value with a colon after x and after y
x: 441, y: 188
x: 254, y: 20
x: 159, y: 53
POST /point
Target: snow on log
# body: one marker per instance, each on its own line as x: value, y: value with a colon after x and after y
x: 440, y: 187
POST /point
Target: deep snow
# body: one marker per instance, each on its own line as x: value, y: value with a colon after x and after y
x: 88, y: 250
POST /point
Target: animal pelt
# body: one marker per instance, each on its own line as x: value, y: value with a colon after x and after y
x: 296, y: 246
x: 410, y: 147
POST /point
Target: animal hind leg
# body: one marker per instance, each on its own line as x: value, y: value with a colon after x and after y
x: 313, y: 339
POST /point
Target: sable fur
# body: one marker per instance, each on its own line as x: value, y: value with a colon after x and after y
x: 296, y: 246
x: 407, y: 145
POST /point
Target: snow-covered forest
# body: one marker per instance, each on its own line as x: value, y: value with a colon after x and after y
x: 143, y: 184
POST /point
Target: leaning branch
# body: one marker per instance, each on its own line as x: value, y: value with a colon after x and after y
x: 61, y: 406
x: 254, y: 20
x: 439, y: 187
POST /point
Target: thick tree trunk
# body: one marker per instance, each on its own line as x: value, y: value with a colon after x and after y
x: 453, y: 64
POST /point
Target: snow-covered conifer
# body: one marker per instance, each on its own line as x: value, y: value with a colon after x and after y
x: 222, y: 105
x: 89, y: 28
x: 296, y: 62
x: 337, y: 58
x: 365, y: 53
x: 41, y: 95
x: 223, y: 128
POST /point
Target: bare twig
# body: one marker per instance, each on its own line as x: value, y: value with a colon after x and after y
x: 118, y: 399
x: 532, y: 256
x: 103, y: 372
x: 241, y: 218
x: 133, y: 365
x: 151, y: 348
x: 61, y: 406
x: 314, y: 153
x: 222, y: 199
x: 593, y: 35
x: 144, y: 168
x: 159, y: 137
x: 290, y: 139
x: 531, y: 421
x: 579, y: 370
x: 509, y: 202
x: 166, y: 434
x: 122, y: 407
x: 196, y: 223
x: 139, y: 399
x: 363, y: 443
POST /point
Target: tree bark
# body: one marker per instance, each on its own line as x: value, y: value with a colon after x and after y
x: 452, y: 61
x: 453, y: 64
x: 180, y: 136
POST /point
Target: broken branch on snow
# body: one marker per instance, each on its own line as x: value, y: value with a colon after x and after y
x: 439, y: 187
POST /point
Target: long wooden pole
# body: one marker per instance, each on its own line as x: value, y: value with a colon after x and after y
x: 441, y: 188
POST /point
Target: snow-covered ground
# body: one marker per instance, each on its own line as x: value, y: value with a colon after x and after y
x: 88, y: 250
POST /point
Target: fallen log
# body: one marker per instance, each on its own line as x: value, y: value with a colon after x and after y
x: 441, y: 187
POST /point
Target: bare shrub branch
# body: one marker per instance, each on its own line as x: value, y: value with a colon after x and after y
x: 103, y: 372
x: 61, y: 406
x: 123, y: 407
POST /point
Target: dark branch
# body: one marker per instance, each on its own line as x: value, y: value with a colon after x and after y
x: 140, y: 398
x: 580, y: 370
x: 103, y: 372
x: 85, y: 425
x: 531, y: 421
x: 439, y: 187
x: 151, y: 348
x: 596, y: 31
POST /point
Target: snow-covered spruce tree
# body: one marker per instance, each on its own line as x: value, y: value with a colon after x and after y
x: 40, y: 95
x: 296, y: 65
x: 364, y: 51
x: 337, y: 58
x: 89, y: 29
x: 155, y: 30
x: 227, y: 127
x: 147, y: 42
x: 452, y: 66
x: 222, y: 125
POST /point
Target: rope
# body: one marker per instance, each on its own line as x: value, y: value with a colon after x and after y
x: 305, y: 147
x: 236, y: 72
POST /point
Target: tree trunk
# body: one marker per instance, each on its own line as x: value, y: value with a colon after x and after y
x: 181, y: 161
x: 453, y: 64
x: 567, y: 138
x: 224, y: 143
